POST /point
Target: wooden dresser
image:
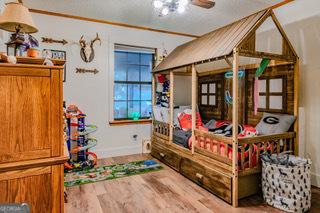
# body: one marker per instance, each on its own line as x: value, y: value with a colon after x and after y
x: 31, y: 136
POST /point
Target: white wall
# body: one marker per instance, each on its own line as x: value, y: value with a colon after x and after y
x: 302, y: 25
x: 93, y: 93
x: 182, y: 90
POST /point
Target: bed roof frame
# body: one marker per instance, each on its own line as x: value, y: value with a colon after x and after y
x: 232, y: 41
x: 221, y: 44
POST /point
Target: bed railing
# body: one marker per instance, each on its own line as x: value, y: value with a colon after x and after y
x: 161, y: 129
x: 214, y: 146
x: 220, y: 148
x: 250, y: 149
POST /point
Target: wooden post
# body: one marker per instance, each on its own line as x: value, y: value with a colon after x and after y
x: 296, y: 105
x: 154, y: 89
x: 154, y: 99
x: 171, y: 106
x: 235, y: 128
x: 193, y: 104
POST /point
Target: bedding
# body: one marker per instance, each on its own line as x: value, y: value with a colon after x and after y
x: 181, y: 137
x: 225, y: 128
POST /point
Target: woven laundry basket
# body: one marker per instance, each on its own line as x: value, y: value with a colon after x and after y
x: 286, y: 183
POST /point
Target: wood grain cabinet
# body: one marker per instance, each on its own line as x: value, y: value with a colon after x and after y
x: 31, y: 136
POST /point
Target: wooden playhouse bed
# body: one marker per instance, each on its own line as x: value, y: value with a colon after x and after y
x: 206, y: 163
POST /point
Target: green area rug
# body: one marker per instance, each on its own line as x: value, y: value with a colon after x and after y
x: 110, y: 172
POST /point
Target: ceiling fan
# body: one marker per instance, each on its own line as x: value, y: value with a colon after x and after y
x: 166, y: 6
x: 204, y: 3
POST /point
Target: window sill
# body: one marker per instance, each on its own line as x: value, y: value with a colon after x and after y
x: 130, y: 122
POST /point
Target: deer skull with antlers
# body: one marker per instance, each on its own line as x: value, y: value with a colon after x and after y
x: 87, y: 51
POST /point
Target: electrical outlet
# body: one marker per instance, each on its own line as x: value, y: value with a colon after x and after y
x: 135, y: 137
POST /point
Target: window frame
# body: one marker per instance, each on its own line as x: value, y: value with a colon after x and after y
x: 208, y: 94
x: 269, y: 94
x: 127, y: 82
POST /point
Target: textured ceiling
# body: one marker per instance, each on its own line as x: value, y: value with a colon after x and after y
x: 195, y: 20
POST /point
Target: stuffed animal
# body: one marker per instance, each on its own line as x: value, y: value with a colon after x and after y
x: 248, y: 132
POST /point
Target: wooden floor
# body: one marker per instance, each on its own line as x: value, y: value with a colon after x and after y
x: 162, y: 191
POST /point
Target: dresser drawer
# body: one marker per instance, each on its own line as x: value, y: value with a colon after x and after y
x: 40, y: 187
x: 166, y: 156
x: 215, y: 182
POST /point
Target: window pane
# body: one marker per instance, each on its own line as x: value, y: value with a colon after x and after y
x: 212, y: 100
x: 120, y: 92
x: 120, y: 72
x: 146, y: 59
x: 133, y: 73
x: 120, y: 58
x: 146, y: 73
x: 262, y: 102
x: 134, y: 58
x: 204, y: 88
x: 146, y: 92
x: 275, y: 102
x: 120, y: 109
x: 145, y: 108
x: 212, y: 88
x: 133, y: 106
x: 276, y: 85
x: 134, y: 92
x: 262, y: 86
x: 204, y: 100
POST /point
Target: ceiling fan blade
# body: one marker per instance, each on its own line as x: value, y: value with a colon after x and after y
x: 203, y: 3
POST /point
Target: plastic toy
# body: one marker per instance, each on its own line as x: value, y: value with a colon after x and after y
x: 241, y: 74
x: 135, y: 115
x: 263, y: 65
x: 78, y: 142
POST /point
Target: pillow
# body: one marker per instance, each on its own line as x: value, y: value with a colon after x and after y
x: 185, y: 120
x: 274, y: 123
x: 176, y: 111
x: 161, y: 114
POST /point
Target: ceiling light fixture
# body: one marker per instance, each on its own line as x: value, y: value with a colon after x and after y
x: 165, y: 11
x: 164, y: 7
x: 181, y: 9
x: 157, y: 4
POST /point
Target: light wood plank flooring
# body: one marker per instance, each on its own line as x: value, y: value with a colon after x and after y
x: 162, y: 191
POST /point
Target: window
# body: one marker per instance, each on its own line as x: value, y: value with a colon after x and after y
x: 132, y: 82
x: 208, y: 94
x: 272, y: 94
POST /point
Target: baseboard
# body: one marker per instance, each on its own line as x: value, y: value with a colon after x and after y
x: 121, y: 151
x: 315, y: 179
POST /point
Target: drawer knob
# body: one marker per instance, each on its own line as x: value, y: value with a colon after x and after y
x: 162, y: 154
x: 199, y: 176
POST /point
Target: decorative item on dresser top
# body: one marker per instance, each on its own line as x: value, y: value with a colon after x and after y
x: 31, y: 136
x: 17, y: 18
x: 56, y: 55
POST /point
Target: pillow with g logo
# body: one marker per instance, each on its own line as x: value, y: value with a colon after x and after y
x: 274, y: 123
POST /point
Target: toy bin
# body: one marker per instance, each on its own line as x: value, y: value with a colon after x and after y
x: 286, y: 182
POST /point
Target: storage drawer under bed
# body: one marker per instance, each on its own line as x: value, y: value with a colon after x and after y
x: 166, y: 156
x: 215, y: 182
